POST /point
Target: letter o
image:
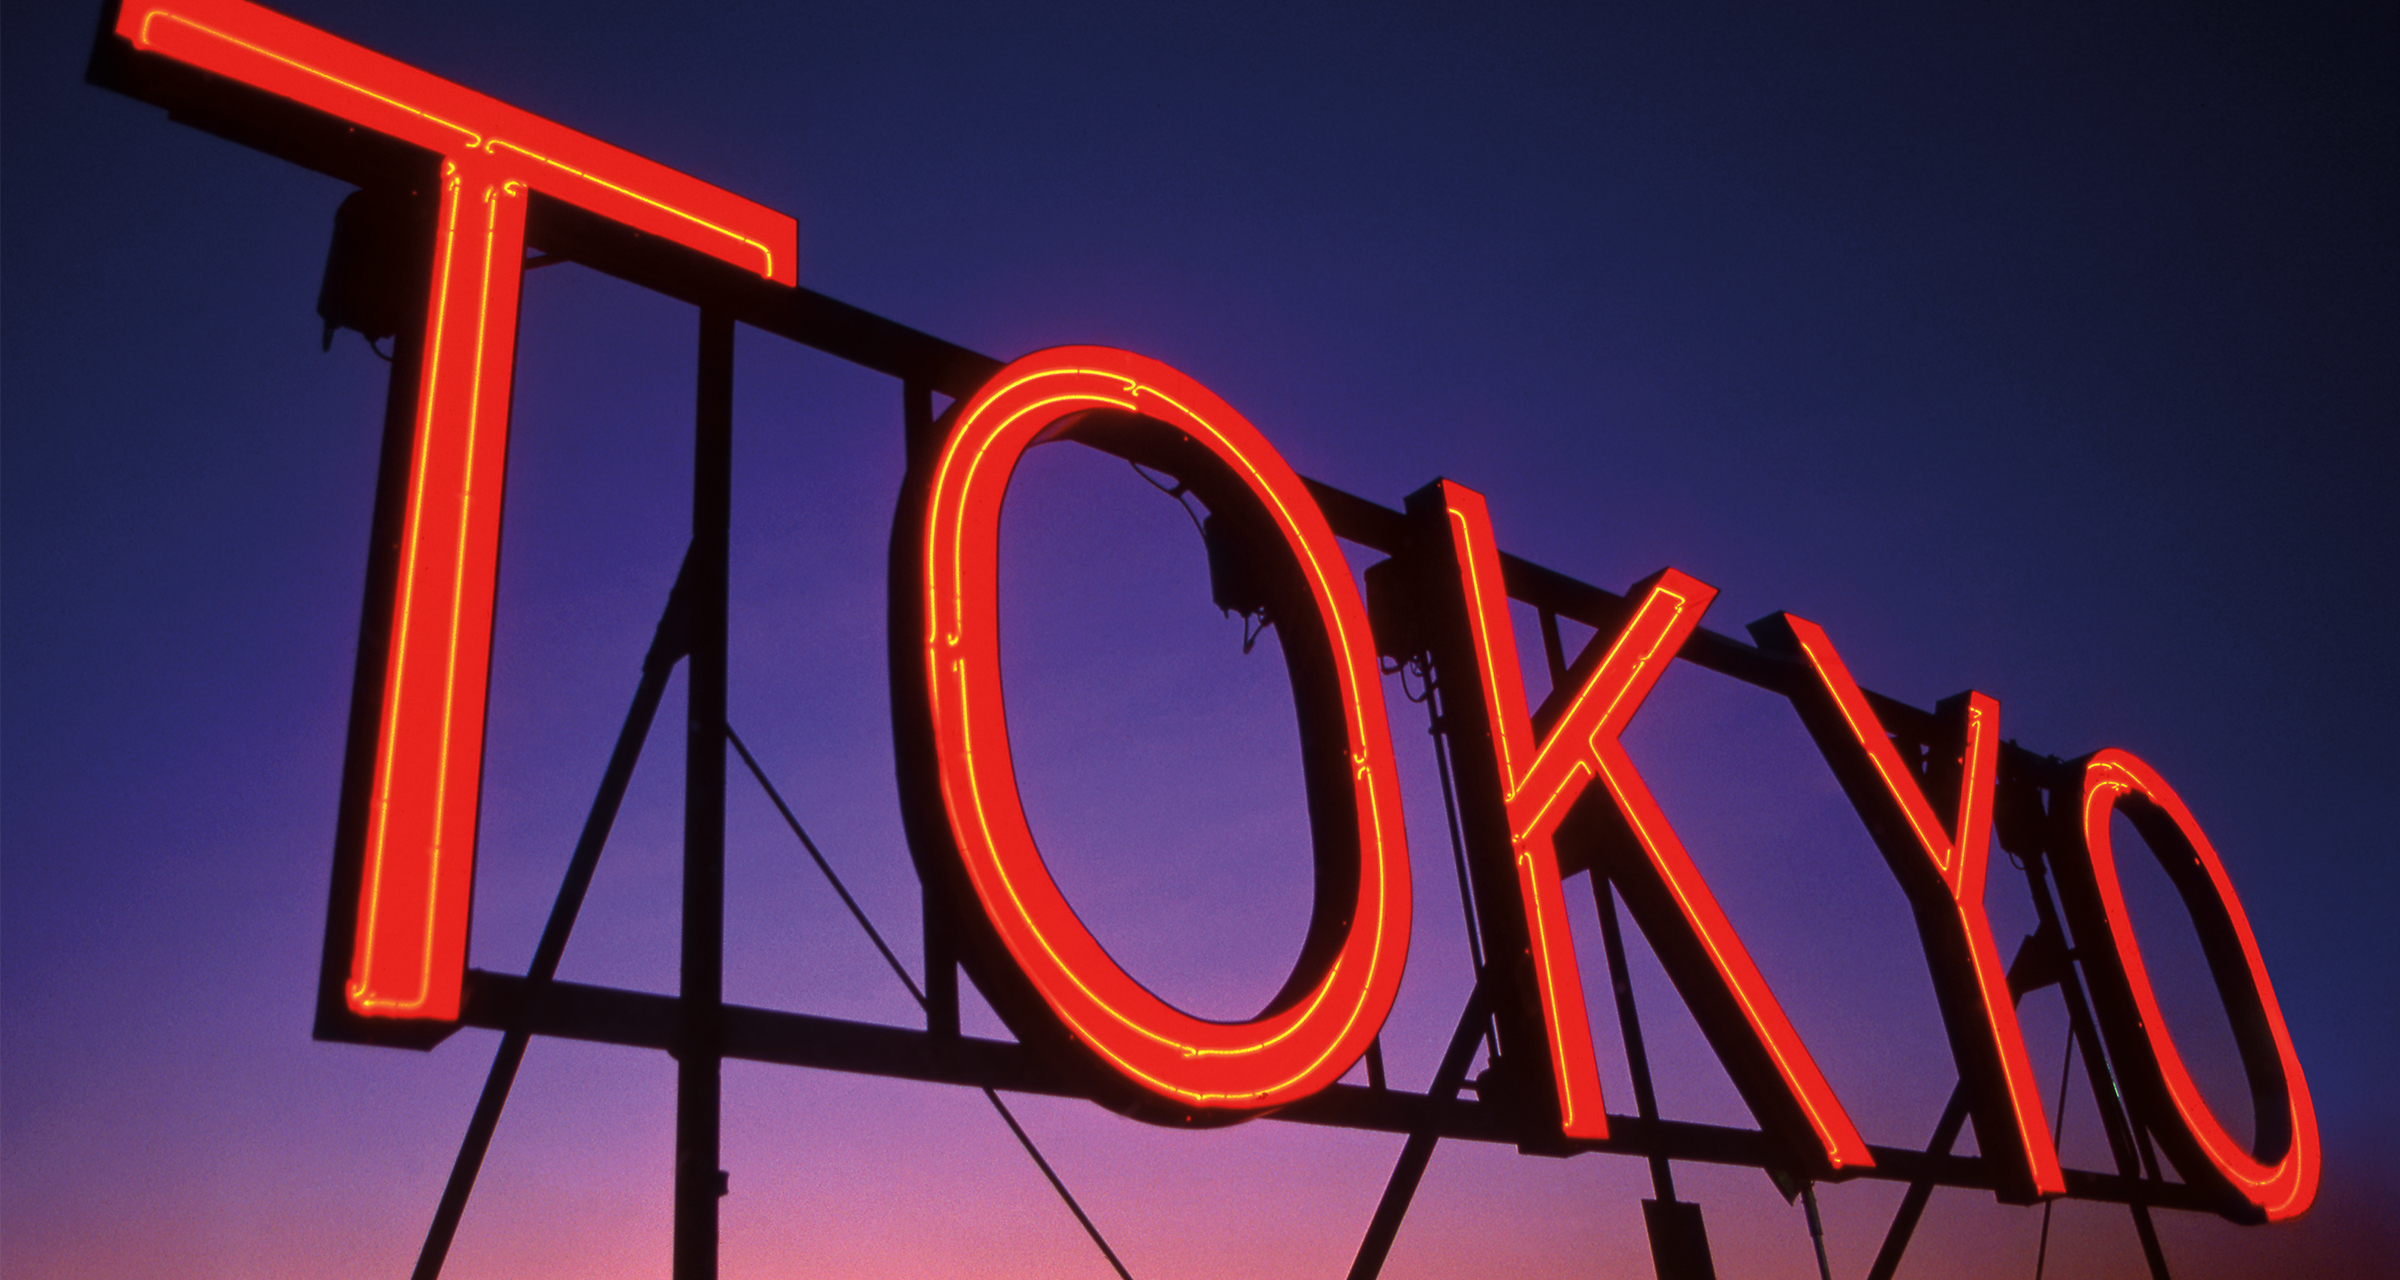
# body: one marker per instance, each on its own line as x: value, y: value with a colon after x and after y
x: 2279, y: 1178
x: 1334, y: 1006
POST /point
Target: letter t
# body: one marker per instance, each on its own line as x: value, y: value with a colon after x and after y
x: 409, y: 955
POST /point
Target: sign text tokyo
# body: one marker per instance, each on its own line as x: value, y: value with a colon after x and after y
x: 1543, y: 794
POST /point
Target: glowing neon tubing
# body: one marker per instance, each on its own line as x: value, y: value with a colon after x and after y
x: 1541, y: 780
x: 1209, y: 1066
x: 409, y: 956
x: 2278, y: 1179
x: 1943, y: 875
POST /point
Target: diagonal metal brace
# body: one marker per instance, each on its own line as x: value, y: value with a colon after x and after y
x: 669, y: 644
x: 2041, y: 961
x: 1418, y: 1151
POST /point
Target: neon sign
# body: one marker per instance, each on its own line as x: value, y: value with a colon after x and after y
x: 1526, y: 788
x: 411, y: 952
x: 1358, y: 938
x: 1941, y: 866
x: 1544, y: 794
x: 2278, y: 1176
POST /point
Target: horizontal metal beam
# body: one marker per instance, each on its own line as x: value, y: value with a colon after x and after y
x: 889, y: 347
x: 323, y: 143
x: 646, y: 1020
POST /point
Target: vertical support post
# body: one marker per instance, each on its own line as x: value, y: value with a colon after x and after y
x: 1678, y: 1240
x: 1553, y: 649
x: 699, y: 1182
x: 2123, y: 1141
x: 916, y: 423
x: 2041, y: 961
x: 1417, y: 1152
x: 941, y: 958
x: 666, y: 645
x: 941, y: 970
x: 1637, y: 1058
x: 1816, y: 1229
x: 1678, y: 1237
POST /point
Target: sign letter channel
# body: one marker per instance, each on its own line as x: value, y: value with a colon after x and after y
x: 1048, y: 976
x: 1519, y: 783
x: 1942, y: 870
x: 2276, y: 1177
x: 408, y: 958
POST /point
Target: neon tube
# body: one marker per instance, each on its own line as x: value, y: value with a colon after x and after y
x: 1223, y: 1068
x: 409, y: 956
x: 2278, y: 1177
x: 1540, y: 781
x: 1969, y: 978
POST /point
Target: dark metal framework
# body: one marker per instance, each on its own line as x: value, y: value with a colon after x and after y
x: 702, y: 1031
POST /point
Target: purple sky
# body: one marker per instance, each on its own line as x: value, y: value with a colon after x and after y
x: 2050, y: 355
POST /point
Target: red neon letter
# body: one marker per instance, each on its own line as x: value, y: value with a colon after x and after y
x: 410, y: 954
x: 2278, y: 1177
x: 1225, y: 1068
x: 1540, y: 779
x: 1944, y: 879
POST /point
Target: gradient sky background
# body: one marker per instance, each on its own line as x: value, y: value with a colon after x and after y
x: 2053, y: 353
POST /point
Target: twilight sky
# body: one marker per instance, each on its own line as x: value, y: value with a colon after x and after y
x: 2049, y: 354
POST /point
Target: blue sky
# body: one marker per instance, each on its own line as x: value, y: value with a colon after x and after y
x: 2048, y: 354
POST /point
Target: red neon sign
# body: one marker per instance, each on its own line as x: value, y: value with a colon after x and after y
x: 1942, y: 869
x: 1539, y: 779
x: 2277, y: 1177
x: 410, y: 954
x: 1524, y: 777
x: 1312, y: 1035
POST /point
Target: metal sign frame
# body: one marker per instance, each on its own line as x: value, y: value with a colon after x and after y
x: 1433, y: 599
